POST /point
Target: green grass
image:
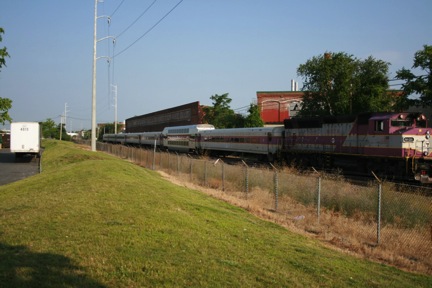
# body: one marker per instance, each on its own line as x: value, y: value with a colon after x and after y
x: 92, y: 220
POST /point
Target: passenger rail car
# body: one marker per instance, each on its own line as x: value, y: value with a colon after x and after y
x: 391, y: 144
x: 114, y: 138
x: 264, y: 141
x: 139, y: 139
x: 183, y: 138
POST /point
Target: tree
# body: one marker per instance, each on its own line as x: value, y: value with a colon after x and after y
x: 64, y: 136
x: 3, y: 51
x: 340, y: 84
x: 254, y: 118
x: 371, y: 93
x: 422, y: 84
x: 5, y: 103
x: 220, y: 114
x: 49, y: 129
x: 108, y: 128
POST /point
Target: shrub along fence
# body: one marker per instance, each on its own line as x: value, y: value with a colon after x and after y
x: 385, y: 221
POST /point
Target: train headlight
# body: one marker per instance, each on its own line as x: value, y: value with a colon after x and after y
x: 427, y: 134
x: 425, y: 153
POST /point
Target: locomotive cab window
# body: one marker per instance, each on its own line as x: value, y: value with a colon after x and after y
x: 379, y: 125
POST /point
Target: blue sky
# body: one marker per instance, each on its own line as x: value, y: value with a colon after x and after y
x: 202, y: 48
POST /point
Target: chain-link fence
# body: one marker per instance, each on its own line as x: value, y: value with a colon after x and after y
x: 385, y: 221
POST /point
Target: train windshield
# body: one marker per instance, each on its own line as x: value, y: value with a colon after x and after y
x: 402, y: 123
x: 420, y: 123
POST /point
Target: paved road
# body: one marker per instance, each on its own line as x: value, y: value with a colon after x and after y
x: 12, y: 169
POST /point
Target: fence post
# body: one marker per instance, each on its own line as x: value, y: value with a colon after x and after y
x: 379, y: 214
x: 178, y: 163
x: 223, y: 172
x: 190, y: 174
x: 205, y: 173
x: 223, y: 178
x: 154, y: 155
x: 148, y: 163
x: 379, y: 209
x: 318, y: 195
x: 275, y: 186
x: 246, y: 179
x: 319, y: 199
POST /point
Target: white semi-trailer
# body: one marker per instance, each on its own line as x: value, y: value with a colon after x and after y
x: 25, y: 138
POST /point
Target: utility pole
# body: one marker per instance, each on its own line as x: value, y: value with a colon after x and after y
x: 95, y: 40
x: 61, y: 127
x: 115, y: 108
x: 65, y: 117
x: 93, y: 126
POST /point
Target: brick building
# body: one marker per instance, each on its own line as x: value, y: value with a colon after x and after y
x: 275, y: 106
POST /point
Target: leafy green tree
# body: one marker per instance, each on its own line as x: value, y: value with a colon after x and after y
x: 421, y: 84
x: 371, y: 94
x: 64, y: 136
x: 108, y: 128
x: 237, y: 121
x: 87, y: 135
x: 49, y: 129
x: 254, y: 118
x: 3, y: 51
x: 340, y: 84
x: 5, y: 103
x: 220, y: 114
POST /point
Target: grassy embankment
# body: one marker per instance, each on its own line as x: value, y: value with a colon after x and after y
x: 93, y: 220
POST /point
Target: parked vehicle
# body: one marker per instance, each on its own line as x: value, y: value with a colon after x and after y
x: 25, y: 138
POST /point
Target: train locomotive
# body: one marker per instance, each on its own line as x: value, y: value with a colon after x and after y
x: 392, y: 145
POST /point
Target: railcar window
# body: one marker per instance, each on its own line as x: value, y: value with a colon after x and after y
x: 178, y: 143
x: 179, y: 131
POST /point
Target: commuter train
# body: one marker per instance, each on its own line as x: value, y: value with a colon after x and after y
x: 392, y: 145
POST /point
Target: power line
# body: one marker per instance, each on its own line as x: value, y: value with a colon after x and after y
x: 76, y: 118
x: 142, y: 14
x: 397, y: 79
x: 112, y: 14
x: 160, y: 20
x: 241, y: 108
